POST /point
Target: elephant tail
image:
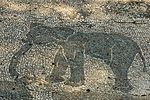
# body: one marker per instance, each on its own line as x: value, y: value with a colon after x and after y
x: 143, y: 60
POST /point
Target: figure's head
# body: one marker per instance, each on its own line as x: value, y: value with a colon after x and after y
x: 41, y: 34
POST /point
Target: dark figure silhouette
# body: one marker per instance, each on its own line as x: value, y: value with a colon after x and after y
x: 117, y: 51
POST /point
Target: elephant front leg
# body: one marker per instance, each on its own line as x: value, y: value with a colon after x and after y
x: 59, y: 69
x: 77, y: 76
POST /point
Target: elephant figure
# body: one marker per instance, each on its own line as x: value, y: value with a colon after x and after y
x: 116, y: 50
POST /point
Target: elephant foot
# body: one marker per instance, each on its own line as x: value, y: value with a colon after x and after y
x: 54, y: 79
x: 123, y: 88
x: 73, y: 84
x: 123, y: 85
x: 13, y: 73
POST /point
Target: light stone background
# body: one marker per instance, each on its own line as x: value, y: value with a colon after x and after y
x: 15, y: 19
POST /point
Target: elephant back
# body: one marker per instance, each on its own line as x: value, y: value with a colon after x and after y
x: 40, y: 32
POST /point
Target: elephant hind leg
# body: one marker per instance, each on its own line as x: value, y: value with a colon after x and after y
x: 120, y: 68
x: 122, y: 56
x: 15, y: 59
x: 121, y: 80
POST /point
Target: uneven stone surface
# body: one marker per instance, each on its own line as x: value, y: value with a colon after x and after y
x: 37, y: 36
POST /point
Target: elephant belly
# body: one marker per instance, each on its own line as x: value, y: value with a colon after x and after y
x: 98, y: 49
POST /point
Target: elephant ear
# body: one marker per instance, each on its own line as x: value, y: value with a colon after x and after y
x: 62, y: 33
x: 35, y: 24
x: 79, y: 37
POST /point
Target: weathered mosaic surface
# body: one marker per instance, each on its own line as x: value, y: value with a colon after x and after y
x: 74, y: 50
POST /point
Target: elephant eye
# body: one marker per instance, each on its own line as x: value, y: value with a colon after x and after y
x: 13, y: 88
x: 88, y: 90
x: 53, y: 63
